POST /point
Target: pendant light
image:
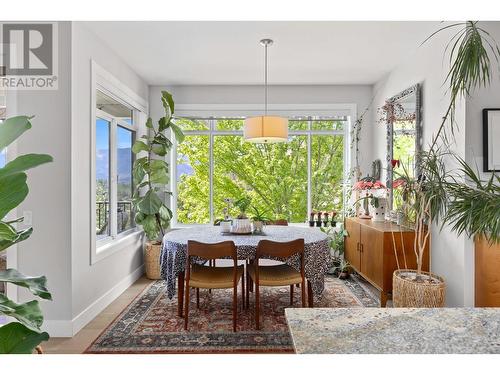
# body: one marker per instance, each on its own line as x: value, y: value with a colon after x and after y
x: 266, y: 129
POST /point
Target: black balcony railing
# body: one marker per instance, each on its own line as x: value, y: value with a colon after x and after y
x: 124, y: 216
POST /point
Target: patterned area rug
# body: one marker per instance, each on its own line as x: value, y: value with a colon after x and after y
x: 150, y: 323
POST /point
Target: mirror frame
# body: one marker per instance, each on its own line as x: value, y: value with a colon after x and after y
x: 417, y: 91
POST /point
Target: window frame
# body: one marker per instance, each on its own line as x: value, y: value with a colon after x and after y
x: 114, y: 122
x: 213, y: 112
x: 105, y: 82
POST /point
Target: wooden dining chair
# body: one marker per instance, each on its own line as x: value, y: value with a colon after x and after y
x: 208, y: 277
x: 276, y: 275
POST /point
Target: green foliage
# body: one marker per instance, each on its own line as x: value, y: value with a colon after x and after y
x: 150, y: 172
x: 273, y: 176
x: 474, y: 207
x: 335, y: 240
x: 470, y: 67
x: 24, y: 336
x: 16, y: 338
x: 259, y: 215
x: 243, y: 204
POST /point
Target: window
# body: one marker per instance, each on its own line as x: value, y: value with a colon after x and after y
x: 285, y: 180
x: 114, y: 136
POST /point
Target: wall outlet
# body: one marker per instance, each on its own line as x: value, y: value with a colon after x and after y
x: 28, y: 218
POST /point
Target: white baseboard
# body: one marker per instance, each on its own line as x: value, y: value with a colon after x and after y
x: 69, y: 328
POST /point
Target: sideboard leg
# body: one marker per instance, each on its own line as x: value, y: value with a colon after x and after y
x: 383, y: 298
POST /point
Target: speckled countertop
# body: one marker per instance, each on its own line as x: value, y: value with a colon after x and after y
x: 391, y: 330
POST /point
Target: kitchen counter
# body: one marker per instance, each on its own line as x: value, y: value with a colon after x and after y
x: 391, y: 330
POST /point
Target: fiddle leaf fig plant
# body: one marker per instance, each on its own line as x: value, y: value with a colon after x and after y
x: 150, y: 172
x: 22, y: 336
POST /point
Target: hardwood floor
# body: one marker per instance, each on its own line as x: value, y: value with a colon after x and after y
x: 80, y: 342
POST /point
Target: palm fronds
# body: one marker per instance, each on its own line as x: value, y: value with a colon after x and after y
x: 470, y: 67
x: 474, y: 208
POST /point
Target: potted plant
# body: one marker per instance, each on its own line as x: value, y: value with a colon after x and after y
x: 259, y: 219
x: 335, y: 238
x: 242, y: 223
x: 343, y: 269
x: 438, y: 194
x: 150, y: 174
x: 377, y: 202
x: 23, y: 336
x: 425, y: 202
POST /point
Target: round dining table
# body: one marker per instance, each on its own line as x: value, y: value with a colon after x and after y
x: 316, y: 252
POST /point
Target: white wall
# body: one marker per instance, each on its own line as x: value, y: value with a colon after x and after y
x: 93, y: 285
x: 449, y: 253
x: 48, y: 250
x: 60, y: 192
x: 360, y: 95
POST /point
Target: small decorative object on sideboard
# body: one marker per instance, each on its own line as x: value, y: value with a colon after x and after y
x: 318, y: 220
x: 334, y: 222
x: 311, y: 219
x: 325, y: 219
x: 378, y: 206
x: 369, y: 184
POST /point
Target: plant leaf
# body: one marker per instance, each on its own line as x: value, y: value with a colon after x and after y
x: 13, y: 190
x: 15, y: 338
x: 150, y: 204
x: 36, y: 285
x: 28, y: 313
x: 168, y: 102
x: 139, y: 146
x: 179, y: 135
x: 12, y: 128
x: 20, y: 236
x: 23, y: 163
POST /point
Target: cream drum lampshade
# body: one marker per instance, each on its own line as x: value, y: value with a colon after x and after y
x: 266, y: 129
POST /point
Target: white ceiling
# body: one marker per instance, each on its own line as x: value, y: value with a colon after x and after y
x: 212, y: 53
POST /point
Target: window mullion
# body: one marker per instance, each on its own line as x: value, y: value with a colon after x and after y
x: 211, y: 170
x: 113, y: 196
x: 309, y: 172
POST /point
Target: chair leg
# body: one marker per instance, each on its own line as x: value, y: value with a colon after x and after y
x: 249, y: 282
x: 197, y: 298
x: 186, y: 307
x: 257, y: 307
x: 303, y: 294
x: 291, y: 295
x: 235, y: 305
x: 243, y: 291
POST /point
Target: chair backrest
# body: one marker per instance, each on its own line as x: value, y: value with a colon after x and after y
x: 281, y: 250
x: 225, y: 249
x: 280, y: 222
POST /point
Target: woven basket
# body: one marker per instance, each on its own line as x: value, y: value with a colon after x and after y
x: 152, y: 260
x: 409, y: 293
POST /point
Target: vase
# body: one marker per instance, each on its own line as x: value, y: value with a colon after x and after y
x: 152, y: 260
x: 258, y: 227
x: 426, y: 290
x: 378, y: 213
x: 241, y: 226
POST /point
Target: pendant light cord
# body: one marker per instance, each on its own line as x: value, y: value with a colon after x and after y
x: 265, y: 80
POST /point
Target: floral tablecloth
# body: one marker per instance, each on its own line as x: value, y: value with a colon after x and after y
x: 317, y: 251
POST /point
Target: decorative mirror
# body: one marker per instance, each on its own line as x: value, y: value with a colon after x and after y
x: 404, y: 137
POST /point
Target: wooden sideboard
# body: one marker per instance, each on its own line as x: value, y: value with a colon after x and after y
x: 369, y: 248
x: 487, y: 273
